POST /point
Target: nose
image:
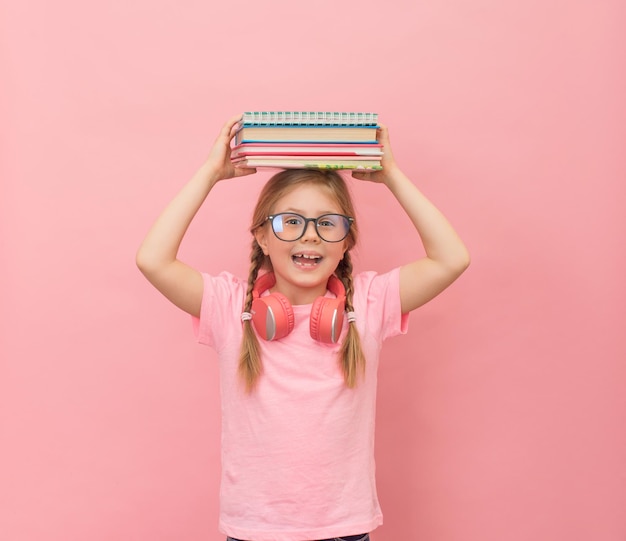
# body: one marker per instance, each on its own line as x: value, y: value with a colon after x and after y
x: 310, y: 233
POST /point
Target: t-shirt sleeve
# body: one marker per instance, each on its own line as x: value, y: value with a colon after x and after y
x: 220, y: 311
x: 378, y: 297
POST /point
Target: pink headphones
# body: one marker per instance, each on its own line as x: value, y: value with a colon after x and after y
x: 273, y: 319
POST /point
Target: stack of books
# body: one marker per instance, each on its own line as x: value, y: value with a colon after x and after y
x: 308, y: 140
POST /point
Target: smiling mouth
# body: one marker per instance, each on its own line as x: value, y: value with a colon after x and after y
x: 308, y: 261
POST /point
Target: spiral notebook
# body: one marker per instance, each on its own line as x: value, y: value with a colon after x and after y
x: 309, y: 118
x: 295, y: 149
x: 308, y: 162
x: 299, y: 133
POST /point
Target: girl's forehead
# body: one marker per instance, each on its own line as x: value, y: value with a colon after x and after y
x: 308, y: 197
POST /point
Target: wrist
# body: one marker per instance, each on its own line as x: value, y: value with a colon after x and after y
x: 211, y: 173
x: 393, y: 175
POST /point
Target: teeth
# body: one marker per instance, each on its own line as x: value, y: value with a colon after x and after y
x: 306, y: 256
x: 306, y: 260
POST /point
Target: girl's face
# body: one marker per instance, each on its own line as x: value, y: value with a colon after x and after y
x: 302, y: 267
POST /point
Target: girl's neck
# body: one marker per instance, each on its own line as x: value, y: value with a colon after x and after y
x: 298, y: 295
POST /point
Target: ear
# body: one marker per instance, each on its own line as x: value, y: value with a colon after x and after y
x: 260, y: 234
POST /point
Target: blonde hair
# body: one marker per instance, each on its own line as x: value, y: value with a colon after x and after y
x: 351, y: 355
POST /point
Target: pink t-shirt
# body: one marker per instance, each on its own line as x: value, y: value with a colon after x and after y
x: 298, y: 453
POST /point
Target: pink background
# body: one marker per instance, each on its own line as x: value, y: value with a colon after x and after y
x: 502, y: 413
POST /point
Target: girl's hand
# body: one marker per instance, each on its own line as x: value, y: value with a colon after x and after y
x: 219, y: 157
x: 388, y: 162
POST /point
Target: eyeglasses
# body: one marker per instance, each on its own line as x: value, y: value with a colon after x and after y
x: 290, y: 227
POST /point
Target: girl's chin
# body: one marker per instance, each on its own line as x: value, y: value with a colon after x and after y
x: 305, y: 279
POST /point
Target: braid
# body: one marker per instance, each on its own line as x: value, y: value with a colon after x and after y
x: 257, y: 258
x: 345, y: 275
x: 250, y: 367
x: 352, y: 358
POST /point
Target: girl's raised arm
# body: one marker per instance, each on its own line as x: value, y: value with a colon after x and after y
x: 446, y: 255
x: 157, y: 257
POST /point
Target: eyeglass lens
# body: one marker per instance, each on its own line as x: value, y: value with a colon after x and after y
x: 330, y: 227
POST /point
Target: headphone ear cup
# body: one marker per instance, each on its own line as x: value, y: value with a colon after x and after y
x: 326, y: 319
x: 272, y: 316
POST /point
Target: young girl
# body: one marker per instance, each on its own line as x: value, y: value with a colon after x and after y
x: 298, y: 342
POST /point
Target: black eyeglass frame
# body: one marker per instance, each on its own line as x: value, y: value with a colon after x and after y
x: 306, y: 224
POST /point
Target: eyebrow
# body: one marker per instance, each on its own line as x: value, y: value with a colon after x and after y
x: 299, y: 211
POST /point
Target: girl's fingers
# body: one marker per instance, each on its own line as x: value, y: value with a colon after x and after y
x: 243, y: 171
x: 234, y: 120
x: 231, y: 126
x: 363, y: 175
x: 383, y: 133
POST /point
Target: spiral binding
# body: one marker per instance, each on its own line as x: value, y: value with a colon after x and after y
x: 309, y: 118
